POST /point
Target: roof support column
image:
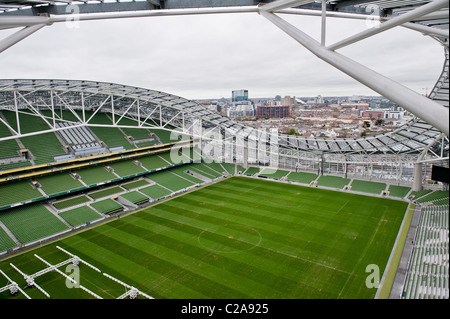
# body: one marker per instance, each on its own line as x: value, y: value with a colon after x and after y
x: 324, y: 22
x: 417, y: 186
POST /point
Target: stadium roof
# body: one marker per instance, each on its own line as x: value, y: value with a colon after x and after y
x: 94, y: 5
x: 428, y: 17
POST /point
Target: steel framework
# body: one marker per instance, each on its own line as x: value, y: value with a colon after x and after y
x: 392, y: 156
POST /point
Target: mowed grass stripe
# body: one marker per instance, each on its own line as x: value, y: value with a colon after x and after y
x: 334, y: 200
x: 291, y: 201
x: 291, y: 264
x: 143, y: 255
x: 207, y: 221
x: 272, y: 234
x: 203, y: 262
x: 127, y: 269
x: 287, y: 235
x: 300, y: 263
x: 305, y: 250
x: 286, y: 220
x: 191, y: 235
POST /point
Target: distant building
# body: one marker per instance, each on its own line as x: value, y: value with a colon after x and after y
x: 374, y: 114
x: 241, y: 109
x: 240, y: 105
x: 288, y: 101
x: 239, y: 95
x: 318, y: 99
x: 267, y: 111
x: 359, y: 106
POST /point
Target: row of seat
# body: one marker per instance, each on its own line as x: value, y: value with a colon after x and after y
x: 428, y: 272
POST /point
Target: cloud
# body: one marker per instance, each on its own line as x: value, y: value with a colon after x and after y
x: 208, y: 56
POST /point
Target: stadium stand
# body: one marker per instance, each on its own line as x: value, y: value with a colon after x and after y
x: 301, y: 177
x: 14, y: 165
x: 80, y: 139
x: 135, y: 133
x: 106, y: 192
x: 18, y: 192
x: 170, y: 180
x: 240, y: 169
x: 333, y: 181
x: 202, y: 170
x: 9, y: 155
x: 43, y: 146
x: 209, y: 169
x: 94, y: 175
x: 71, y: 202
x: 110, y: 136
x: 58, y: 183
x: 107, y: 206
x: 126, y: 168
x: 216, y: 167
x: 251, y: 171
x: 418, y: 194
x: 135, y: 197
x: 6, y: 242
x: 135, y: 184
x: 434, y: 196
x: 80, y: 215
x: 154, y: 162
x: 183, y: 172
x: 164, y: 136
x: 32, y: 222
x: 427, y: 276
x: 155, y: 191
x: 229, y: 168
x: 275, y: 174
x: 398, y: 191
x: 367, y: 186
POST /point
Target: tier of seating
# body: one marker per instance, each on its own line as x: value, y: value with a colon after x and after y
x: 438, y: 197
x: 87, y: 205
x: 31, y: 222
x: 428, y: 273
x: 302, y: 177
x: 72, y: 141
x: 333, y: 181
x: 43, y: 146
x: 79, y: 139
x: 367, y: 186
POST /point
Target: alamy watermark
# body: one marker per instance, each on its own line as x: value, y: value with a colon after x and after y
x: 373, y: 18
x: 373, y: 279
x: 73, y: 276
x: 73, y: 19
x: 259, y: 147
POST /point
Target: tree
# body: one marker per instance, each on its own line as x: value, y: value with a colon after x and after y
x: 292, y: 131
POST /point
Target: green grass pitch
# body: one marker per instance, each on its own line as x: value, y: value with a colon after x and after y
x: 239, y: 238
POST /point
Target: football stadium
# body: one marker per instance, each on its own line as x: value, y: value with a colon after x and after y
x: 111, y: 191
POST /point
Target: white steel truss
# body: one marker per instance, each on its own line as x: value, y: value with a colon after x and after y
x: 394, y: 152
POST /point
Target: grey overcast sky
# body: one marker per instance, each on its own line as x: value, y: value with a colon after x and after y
x: 208, y: 56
